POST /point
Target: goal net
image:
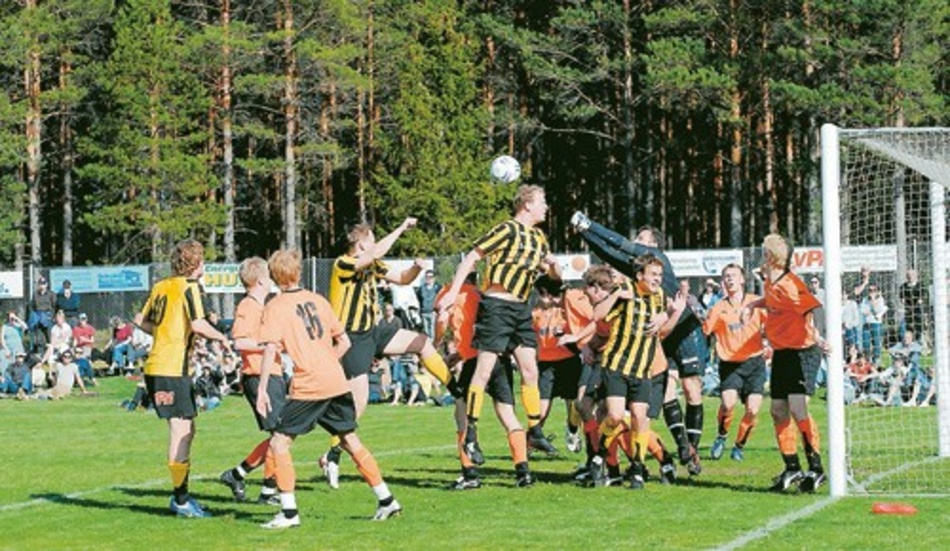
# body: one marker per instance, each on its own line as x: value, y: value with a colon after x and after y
x: 886, y: 247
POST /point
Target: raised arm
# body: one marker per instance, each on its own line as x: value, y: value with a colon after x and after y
x: 381, y: 248
x: 466, y: 266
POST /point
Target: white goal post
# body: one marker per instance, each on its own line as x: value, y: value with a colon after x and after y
x: 887, y: 188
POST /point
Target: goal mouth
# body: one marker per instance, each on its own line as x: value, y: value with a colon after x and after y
x: 885, y: 193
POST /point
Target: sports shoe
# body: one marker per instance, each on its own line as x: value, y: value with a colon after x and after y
x: 237, y: 486
x: 474, y: 452
x: 598, y: 474
x: 524, y: 480
x: 268, y: 499
x: 580, y: 221
x: 280, y: 522
x: 811, y: 481
x: 572, y: 441
x: 582, y: 473
x: 736, y: 454
x: 636, y: 476
x: 331, y: 470
x: 718, y: 448
x: 668, y: 473
x: 693, y: 466
x: 538, y: 442
x: 463, y: 483
x: 190, y: 509
x: 384, y: 512
x: 785, y: 479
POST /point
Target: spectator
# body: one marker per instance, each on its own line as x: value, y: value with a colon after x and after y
x: 68, y: 302
x: 120, y: 343
x: 873, y: 309
x: 692, y: 302
x: 711, y: 294
x: 86, y: 371
x: 140, y: 346
x: 84, y: 337
x: 11, y: 340
x: 139, y: 399
x: 67, y: 376
x: 426, y: 293
x: 61, y: 334
x: 18, y: 378
x: 906, y: 358
x: 397, y: 366
x: 850, y: 321
x: 860, y: 372
x: 913, y: 299
x: 42, y: 306
x: 818, y: 314
x: 208, y: 389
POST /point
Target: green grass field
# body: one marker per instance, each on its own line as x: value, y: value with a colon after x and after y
x: 83, y: 473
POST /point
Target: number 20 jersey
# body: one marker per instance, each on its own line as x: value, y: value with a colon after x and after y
x: 172, y: 305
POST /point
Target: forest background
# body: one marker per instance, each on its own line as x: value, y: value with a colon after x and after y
x: 128, y: 124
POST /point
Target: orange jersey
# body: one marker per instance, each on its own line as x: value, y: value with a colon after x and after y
x: 247, y: 325
x: 461, y: 321
x: 304, y: 325
x: 735, y: 341
x: 789, y: 304
x: 551, y: 323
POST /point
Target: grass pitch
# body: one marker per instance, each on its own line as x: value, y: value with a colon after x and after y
x: 83, y: 473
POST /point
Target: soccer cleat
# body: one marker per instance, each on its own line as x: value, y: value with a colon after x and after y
x: 582, y: 473
x: 811, y: 481
x: 524, y: 480
x: 598, y: 474
x: 384, y: 512
x: 718, y: 448
x: 580, y: 221
x: 268, y: 499
x: 474, y: 452
x: 693, y: 466
x: 736, y: 454
x: 237, y: 486
x: 573, y: 442
x: 280, y: 521
x: 331, y: 470
x: 668, y: 473
x: 636, y: 482
x: 538, y: 442
x: 190, y: 509
x: 685, y: 454
x: 463, y: 483
x: 786, y: 479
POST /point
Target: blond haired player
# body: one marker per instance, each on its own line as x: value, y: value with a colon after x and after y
x: 302, y: 324
x: 174, y: 314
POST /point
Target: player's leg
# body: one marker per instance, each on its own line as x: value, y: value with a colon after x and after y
x: 546, y: 376
x: 411, y: 342
x: 673, y: 413
x: 639, y: 437
x: 234, y: 477
x: 526, y: 357
x: 809, y: 363
x: 289, y: 515
x: 612, y: 425
x: 469, y: 478
x: 181, y: 432
x: 786, y: 376
x: 753, y: 375
x: 727, y: 406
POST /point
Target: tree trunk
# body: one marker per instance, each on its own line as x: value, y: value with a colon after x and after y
x: 227, y: 150
x: 768, y: 118
x: 290, y: 107
x: 736, y: 237
x: 34, y: 152
x: 629, y: 181
x: 66, y: 146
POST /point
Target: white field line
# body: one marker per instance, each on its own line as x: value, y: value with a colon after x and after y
x: 158, y: 482
x: 776, y: 524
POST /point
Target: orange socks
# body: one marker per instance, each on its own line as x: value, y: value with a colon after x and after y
x: 518, y: 444
x: 366, y: 465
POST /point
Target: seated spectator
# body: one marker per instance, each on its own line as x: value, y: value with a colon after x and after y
x: 18, y: 378
x: 60, y: 334
x: 84, y: 337
x: 906, y: 355
x: 140, y: 346
x: 860, y: 372
x: 11, y: 339
x: 66, y: 376
x: 120, y: 344
x: 86, y: 372
x: 139, y: 399
x: 207, y: 389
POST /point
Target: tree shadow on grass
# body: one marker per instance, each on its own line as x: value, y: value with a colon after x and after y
x: 163, y: 511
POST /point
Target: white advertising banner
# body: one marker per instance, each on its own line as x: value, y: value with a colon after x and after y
x: 573, y: 266
x: 222, y: 278
x: 703, y: 263
x: 880, y: 258
x: 11, y: 285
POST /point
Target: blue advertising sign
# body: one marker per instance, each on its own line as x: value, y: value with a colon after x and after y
x: 101, y: 279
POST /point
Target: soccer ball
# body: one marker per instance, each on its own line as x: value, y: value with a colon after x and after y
x: 505, y: 169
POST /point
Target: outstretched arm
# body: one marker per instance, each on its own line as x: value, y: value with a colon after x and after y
x: 465, y: 267
x: 381, y: 247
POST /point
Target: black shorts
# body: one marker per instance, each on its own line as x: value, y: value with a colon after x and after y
x: 657, y: 394
x: 688, y: 355
x: 746, y: 377
x: 630, y: 387
x: 559, y: 379
x: 173, y: 397
x: 500, y: 382
x: 502, y: 326
x: 592, y: 381
x: 364, y: 347
x: 795, y: 372
x: 336, y: 415
x: 276, y: 390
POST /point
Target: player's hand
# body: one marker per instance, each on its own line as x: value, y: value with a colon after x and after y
x: 448, y: 300
x: 263, y: 404
x: 824, y: 346
x: 409, y: 222
x: 565, y: 340
x: 419, y: 263
x: 656, y: 323
x: 550, y: 260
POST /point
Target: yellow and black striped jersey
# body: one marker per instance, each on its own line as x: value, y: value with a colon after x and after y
x: 353, y: 294
x: 515, y: 254
x: 172, y: 305
x: 629, y: 349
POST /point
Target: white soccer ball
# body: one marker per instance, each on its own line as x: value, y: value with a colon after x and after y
x: 505, y: 169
